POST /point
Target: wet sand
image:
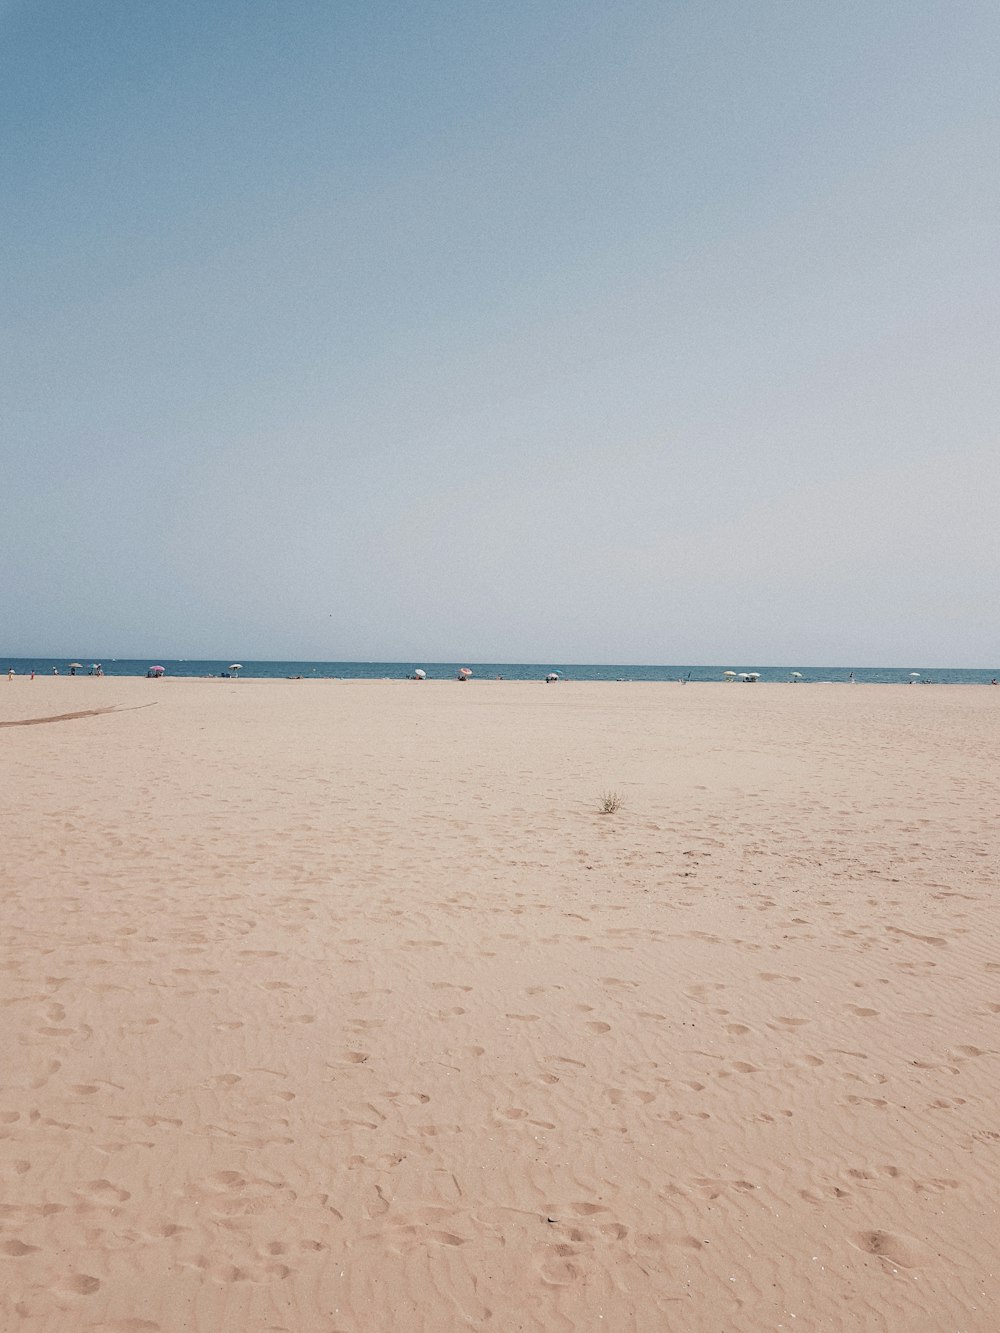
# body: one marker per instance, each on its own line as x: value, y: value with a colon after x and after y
x: 339, y: 1007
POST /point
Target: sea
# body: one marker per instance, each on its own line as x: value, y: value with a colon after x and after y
x: 537, y: 671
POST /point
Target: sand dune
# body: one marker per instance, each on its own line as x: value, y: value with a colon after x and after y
x: 337, y: 1007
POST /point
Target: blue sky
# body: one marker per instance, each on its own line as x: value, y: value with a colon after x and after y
x: 645, y: 332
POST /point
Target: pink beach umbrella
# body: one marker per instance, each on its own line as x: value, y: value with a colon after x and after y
x: 464, y: 673
x: 156, y: 671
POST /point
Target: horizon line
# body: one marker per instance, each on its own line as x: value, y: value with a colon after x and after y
x: 484, y: 661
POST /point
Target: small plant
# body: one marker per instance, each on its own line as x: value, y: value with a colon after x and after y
x: 611, y: 802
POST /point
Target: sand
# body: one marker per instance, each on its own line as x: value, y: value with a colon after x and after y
x: 336, y: 1007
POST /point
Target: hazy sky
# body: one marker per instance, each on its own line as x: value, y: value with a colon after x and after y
x: 628, y: 332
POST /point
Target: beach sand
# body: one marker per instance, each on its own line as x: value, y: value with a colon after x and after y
x: 338, y: 1007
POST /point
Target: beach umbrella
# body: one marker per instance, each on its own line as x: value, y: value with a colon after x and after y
x: 753, y: 675
x: 76, y: 666
x: 914, y: 675
x: 729, y: 675
x: 156, y: 671
x: 552, y: 676
x: 419, y: 674
x: 796, y: 675
x: 464, y: 673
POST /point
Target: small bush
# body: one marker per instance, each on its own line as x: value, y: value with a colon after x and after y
x: 611, y: 802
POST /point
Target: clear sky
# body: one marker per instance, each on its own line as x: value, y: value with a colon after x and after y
x: 589, y: 331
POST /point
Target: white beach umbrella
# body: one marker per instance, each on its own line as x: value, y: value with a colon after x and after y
x: 753, y: 675
x: 729, y: 675
x: 235, y: 666
x: 914, y: 675
x: 796, y: 675
x: 552, y: 676
x: 419, y: 674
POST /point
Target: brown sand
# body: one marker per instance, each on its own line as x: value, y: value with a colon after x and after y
x: 337, y: 1007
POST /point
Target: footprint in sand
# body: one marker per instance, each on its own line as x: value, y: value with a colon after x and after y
x: 559, y: 1270
x: 80, y: 1284
x: 897, y: 1250
x: 103, y: 1192
x: 17, y: 1249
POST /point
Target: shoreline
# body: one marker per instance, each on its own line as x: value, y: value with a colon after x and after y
x: 498, y: 680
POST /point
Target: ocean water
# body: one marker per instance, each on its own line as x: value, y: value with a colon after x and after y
x: 569, y: 671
